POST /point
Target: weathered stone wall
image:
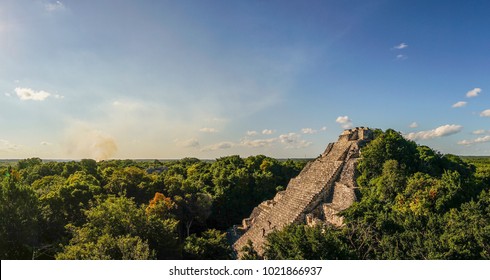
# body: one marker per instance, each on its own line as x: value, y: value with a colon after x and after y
x: 323, y: 188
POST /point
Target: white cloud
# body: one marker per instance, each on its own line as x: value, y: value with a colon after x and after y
x: 257, y: 143
x: 483, y: 139
x: 268, y: 131
x: 252, y: 133
x: 440, y: 131
x: 293, y: 140
x: 7, y: 94
x: 459, y: 104
x: 208, y: 130
x: 289, y: 141
x: 218, y: 146
x: 465, y: 142
x: 55, y: 6
x: 288, y: 138
x: 45, y: 143
x: 485, y: 113
x: 30, y: 94
x: 401, y: 46
x: 344, y: 121
x: 401, y: 57
x: 414, y: 125
x: 479, y: 132
x: 473, y: 93
x: 309, y: 131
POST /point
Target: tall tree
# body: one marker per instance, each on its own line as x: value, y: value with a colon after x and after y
x: 193, y: 208
x: 19, y: 217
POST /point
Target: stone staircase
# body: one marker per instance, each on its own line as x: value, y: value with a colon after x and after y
x: 324, y: 186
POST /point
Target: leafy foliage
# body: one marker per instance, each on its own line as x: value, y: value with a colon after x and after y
x: 306, y: 243
x: 249, y: 252
x: 414, y: 206
x: 126, y: 209
x: 19, y: 218
x: 212, y: 244
x: 118, y: 229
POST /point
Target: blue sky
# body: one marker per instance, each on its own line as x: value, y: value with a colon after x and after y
x: 170, y: 79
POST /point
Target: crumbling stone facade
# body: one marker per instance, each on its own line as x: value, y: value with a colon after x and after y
x: 324, y: 187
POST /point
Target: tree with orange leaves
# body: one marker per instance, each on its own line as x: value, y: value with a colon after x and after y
x: 160, y: 206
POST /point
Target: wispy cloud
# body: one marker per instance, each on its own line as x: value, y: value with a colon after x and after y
x: 290, y: 140
x: 252, y: 133
x: 401, y: 57
x: 208, y: 130
x: 440, y: 131
x: 30, y: 94
x: 473, y: 93
x: 344, y: 121
x: 258, y: 143
x: 459, y: 104
x: 401, y: 46
x: 8, y: 146
x: 293, y: 140
x: 308, y: 130
x: 218, y: 146
x: 268, y: 131
x: 483, y: 139
x: 54, y: 6
x: 479, y: 132
x: 414, y: 125
x: 485, y: 113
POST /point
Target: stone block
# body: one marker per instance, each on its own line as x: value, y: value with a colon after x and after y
x: 322, y: 189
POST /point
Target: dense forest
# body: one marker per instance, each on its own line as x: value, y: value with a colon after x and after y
x: 414, y: 203
x: 126, y: 209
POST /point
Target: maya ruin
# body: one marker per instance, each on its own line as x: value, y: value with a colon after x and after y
x: 324, y: 187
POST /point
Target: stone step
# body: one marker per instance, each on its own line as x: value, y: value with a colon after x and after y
x: 343, y: 195
x: 314, y: 184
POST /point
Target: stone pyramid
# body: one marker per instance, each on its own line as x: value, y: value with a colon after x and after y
x: 323, y: 188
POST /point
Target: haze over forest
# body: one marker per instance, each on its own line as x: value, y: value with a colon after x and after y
x: 205, y: 79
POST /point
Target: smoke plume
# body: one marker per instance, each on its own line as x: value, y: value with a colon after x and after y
x: 82, y: 141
